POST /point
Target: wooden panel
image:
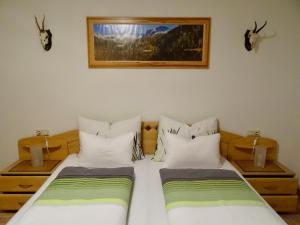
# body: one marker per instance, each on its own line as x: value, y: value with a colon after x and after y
x: 226, y: 139
x: 242, y: 149
x: 274, y: 185
x: 13, y: 201
x: 57, y: 147
x: 72, y: 140
x: 284, y: 203
x: 149, y: 137
x: 21, y: 183
x: 74, y: 146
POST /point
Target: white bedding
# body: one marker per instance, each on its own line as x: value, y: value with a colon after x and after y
x: 148, y: 206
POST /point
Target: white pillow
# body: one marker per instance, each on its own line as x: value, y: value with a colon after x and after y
x: 115, y: 129
x: 205, y: 127
x: 95, y: 127
x: 97, y: 151
x: 200, y: 152
x: 167, y: 125
x: 131, y: 125
x: 125, y: 126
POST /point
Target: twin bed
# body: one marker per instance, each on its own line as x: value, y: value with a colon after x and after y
x: 145, y: 194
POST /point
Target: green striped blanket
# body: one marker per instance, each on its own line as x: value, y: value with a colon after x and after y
x: 206, y: 187
x: 79, y: 185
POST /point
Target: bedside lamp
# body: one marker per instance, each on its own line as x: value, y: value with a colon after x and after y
x: 36, y: 148
x: 260, y: 153
x: 260, y: 156
x: 37, y: 157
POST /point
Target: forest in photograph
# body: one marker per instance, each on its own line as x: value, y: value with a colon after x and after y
x: 141, y: 42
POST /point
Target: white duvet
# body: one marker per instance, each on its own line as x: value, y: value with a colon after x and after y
x: 108, y: 214
x: 147, y: 207
x: 92, y: 213
x: 224, y: 215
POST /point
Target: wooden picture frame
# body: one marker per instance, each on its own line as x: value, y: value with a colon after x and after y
x: 148, y: 42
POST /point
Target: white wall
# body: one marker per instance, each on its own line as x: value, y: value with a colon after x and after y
x: 243, y: 89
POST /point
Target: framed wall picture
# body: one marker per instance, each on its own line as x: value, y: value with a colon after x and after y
x: 148, y: 42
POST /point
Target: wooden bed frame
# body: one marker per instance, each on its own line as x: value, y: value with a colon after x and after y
x: 279, y: 189
x: 232, y: 146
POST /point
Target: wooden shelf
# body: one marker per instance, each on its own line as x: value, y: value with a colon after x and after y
x: 242, y: 148
x: 250, y: 147
x: 24, y: 167
x: 272, y: 168
x: 248, y: 166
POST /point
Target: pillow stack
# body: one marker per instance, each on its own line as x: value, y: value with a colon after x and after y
x: 181, y: 141
x: 110, y: 140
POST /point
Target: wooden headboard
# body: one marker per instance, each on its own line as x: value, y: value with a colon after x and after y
x: 232, y: 146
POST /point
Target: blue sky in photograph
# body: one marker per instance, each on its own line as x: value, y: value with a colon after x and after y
x: 129, y: 30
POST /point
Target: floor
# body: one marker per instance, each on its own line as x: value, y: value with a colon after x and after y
x: 291, y: 219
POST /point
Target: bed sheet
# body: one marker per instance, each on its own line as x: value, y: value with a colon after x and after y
x: 147, y: 204
x: 225, y: 214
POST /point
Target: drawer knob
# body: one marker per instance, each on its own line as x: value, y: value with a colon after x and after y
x: 25, y: 186
x: 271, y: 188
x: 21, y: 203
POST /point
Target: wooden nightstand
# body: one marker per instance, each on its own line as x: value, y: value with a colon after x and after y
x: 20, y: 181
x: 275, y: 183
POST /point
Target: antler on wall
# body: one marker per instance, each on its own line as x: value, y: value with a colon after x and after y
x: 251, y: 36
x: 45, y: 35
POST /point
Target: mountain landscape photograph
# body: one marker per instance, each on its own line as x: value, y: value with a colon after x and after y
x: 148, y: 42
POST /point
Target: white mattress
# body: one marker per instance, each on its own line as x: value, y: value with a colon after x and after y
x: 147, y: 205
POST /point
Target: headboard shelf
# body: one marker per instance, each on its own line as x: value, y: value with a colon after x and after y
x: 242, y: 149
x: 56, y: 147
x: 247, y: 143
x: 232, y: 146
